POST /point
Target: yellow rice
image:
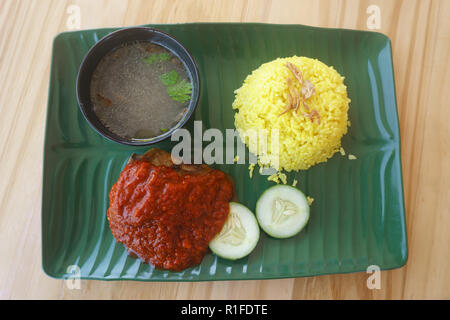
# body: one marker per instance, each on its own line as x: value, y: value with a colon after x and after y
x: 302, y: 143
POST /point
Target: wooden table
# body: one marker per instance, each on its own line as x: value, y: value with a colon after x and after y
x: 420, y: 34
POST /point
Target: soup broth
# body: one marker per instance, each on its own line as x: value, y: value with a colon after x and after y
x: 140, y: 90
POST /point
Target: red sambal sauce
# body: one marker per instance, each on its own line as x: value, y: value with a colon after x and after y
x: 165, y: 217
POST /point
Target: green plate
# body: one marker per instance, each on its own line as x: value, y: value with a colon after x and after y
x: 357, y: 218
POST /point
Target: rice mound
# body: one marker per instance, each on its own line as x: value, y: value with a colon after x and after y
x: 302, y: 143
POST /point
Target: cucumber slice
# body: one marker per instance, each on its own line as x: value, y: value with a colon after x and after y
x: 239, y: 235
x: 282, y: 211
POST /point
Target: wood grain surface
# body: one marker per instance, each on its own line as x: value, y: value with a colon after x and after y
x: 420, y: 34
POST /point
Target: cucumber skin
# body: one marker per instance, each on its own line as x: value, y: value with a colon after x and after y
x: 256, y: 242
x: 275, y: 187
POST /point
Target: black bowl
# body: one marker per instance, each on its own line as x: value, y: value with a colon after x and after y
x: 111, y: 42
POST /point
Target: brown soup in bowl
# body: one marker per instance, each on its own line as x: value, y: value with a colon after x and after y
x: 137, y: 85
x: 140, y: 90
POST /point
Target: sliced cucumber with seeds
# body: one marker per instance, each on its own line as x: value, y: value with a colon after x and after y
x: 282, y: 211
x: 239, y: 235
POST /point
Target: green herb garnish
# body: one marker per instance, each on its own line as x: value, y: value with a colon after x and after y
x: 169, y: 78
x: 164, y: 56
x: 181, y: 91
x: 156, y: 57
x: 163, y: 129
x: 178, y: 90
